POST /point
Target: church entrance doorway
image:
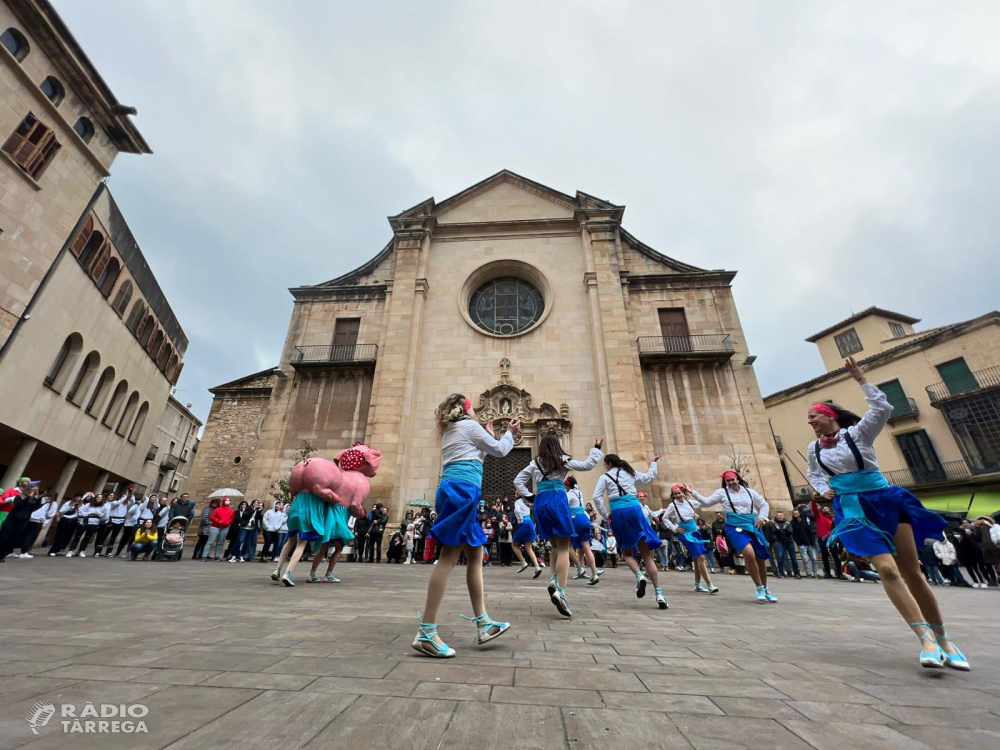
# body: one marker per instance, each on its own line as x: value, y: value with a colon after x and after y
x: 499, y: 473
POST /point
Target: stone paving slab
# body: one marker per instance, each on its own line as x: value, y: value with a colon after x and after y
x: 222, y: 657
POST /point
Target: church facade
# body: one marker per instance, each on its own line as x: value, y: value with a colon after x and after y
x: 535, y: 304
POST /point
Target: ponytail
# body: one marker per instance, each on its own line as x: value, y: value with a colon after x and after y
x: 617, y: 462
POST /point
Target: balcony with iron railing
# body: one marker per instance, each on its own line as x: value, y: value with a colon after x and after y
x: 169, y: 462
x: 151, y: 453
x: 950, y: 471
x: 902, y: 411
x: 706, y: 346
x: 335, y: 355
x: 980, y: 380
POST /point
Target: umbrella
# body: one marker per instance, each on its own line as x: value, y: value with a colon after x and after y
x: 226, y: 492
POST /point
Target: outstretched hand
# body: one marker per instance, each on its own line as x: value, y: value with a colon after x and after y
x: 857, y: 371
x: 657, y: 456
x: 489, y: 429
x: 599, y: 443
x: 514, y: 426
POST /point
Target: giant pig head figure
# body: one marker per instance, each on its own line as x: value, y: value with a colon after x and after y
x: 343, y: 480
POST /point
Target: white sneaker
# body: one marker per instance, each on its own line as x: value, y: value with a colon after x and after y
x: 52, y: 554
x: 524, y: 566
x: 26, y: 556
x: 600, y: 571
x: 81, y: 554
x: 579, y: 574
x: 231, y: 559
x: 70, y: 553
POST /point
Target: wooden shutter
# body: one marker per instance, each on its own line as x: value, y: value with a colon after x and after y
x: 346, y: 331
x: 81, y: 239
x: 957, y: 376
x: 33, y: 140
x: 43, y: 157
x: 13, y: 143
x: 102, y: 261
x: 893, y: 391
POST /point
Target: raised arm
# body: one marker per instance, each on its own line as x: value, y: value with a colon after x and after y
x: 523, y: 478
x: 587, y: 464
x: 816, y: 476
x: 648, y: 477
x: 599, y: 490
x: 705, y: 502
x: 879, y: 408
x: 488, y: 444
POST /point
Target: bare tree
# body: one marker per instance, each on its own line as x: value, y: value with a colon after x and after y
x: 740, y: 463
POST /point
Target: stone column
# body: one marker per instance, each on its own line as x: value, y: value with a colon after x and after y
x: 390, y: 413
x: 65, y: 476
x: 102, y: 479
x: 629, y: 428
x: 20, y: 462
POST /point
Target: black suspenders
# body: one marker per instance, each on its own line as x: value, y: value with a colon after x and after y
x: 732, y: 508
x: 854, y: 450
x: 621, y: 492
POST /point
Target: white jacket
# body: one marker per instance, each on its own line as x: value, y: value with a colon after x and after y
x: 945, y: 552
x: 273, y: 519
x: 45, y: 512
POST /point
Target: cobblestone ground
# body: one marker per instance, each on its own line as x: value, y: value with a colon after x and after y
x: 223, y: 657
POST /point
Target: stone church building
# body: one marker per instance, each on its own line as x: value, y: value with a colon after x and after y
x: 537, y: 305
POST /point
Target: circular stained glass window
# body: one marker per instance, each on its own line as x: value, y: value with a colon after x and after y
x: 506, y: 306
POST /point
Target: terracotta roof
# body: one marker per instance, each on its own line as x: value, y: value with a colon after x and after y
x: 863, y: 314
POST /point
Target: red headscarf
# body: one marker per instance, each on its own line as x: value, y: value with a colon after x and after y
x: 824, y: 409
x: 467, y: 404
x: 678, y: 487
x: 727, y: 474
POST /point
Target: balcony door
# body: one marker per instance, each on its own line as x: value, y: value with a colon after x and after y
x: 674, y: 329
x: 957, y: 376
x: 920, y: 456
x: 345, y: 338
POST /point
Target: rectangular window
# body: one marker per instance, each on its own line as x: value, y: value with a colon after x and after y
x: 920, y: 456
x: 897, y: 330
x: 32, y: 146
x: 848, y: 342
x: 957, y: 376
x: 893, y: 391
x: 673, y: 322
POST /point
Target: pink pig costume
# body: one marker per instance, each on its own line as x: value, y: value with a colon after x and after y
x: 327, y: 491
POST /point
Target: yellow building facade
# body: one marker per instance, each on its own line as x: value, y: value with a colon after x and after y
x: 943, y: 440
x: 539, y: 306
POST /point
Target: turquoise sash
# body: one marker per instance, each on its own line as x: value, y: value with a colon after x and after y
x: 690, y: 529
x: 623, y: 502
x: 578, y: 511
x: 847, y: 487
x: 747, y: 523
x: 464, y: 471
x: 551, y: 485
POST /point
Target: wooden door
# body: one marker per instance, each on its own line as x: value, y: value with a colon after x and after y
x: 345, y: 337
x: 920, y: 456
x: 674, y: 329
x: 957, y: 376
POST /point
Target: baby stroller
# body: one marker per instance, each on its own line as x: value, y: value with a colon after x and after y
x: 173, y: 541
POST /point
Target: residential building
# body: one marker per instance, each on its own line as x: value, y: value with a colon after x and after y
x: 943, y: 440
x: 536, y: 304
x: 170, y: 455
x: 61, y: 128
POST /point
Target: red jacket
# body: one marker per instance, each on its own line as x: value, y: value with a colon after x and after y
x: 824, y: 524
x: 222, y: 517
x: 7, y: 500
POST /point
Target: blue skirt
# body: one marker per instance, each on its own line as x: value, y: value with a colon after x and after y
x: 695, y: 544
x: 552, y: 515
x: 525, y: 532
x: 457, y: 506
x: 581, y: 525
x: 631, y: 527
x: 738, y: 541
x: 886, y: 509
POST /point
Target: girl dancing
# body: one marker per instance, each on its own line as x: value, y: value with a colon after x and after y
x: 464, y: 445
x: 525, y: 534
x: 746, y: 511
x: 877, y: 520
x: 629, y: 523
x: 680, y: 516
x: 584, y: 533
x: 547, y: 470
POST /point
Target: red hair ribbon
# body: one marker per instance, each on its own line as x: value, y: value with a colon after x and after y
x: 727, y: 474
x: 678, y: 487
x: 467, y: 404
x: 824, y: 409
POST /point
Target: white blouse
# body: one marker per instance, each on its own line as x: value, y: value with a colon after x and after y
x: 628, y: 482
x: 467, y: 440
x: 839, y: 458
x: 521, y: 509
x: 575, y: 497
x: 745, y: 501
x: 532, y: 472
x: 675, y: 512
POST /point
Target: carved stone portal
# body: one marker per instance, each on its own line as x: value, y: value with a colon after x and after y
x: 505, y: 402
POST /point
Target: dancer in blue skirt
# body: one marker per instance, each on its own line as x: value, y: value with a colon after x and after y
x: 628, y: 521
x: 525, y: 534
x: 548, y: 470
x: 584, y: 534
x: 746, y: 510
x: 680, y: 515
x: 464, y: 445
x: 877, y: 520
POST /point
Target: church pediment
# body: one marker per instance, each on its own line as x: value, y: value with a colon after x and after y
x: 508, y: 198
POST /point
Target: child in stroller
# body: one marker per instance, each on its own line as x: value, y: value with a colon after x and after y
x: 173, y: 542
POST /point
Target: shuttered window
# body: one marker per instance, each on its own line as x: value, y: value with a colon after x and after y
x: 32, y: 146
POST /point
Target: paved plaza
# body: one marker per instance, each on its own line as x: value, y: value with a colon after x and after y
x: 222, y: 657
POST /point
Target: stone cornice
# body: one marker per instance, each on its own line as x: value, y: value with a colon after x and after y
x: 361, y: 291
x: 699, y: 280
x: 493, y: 228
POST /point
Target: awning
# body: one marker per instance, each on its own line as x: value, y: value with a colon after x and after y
x: 985, y: 503
x: 420, y: 503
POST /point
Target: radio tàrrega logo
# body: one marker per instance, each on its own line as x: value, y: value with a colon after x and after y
x: 39, y: 715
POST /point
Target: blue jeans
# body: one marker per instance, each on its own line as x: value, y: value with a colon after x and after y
x: 143, y: 549
x: 934, y: 575
x: 661, y: 555
x: 862, y: 575
x: 809, y: 560
x: 282, y: 537
x: 677, y: 552
x: 249, y: 546
x: 787, y: 549
x: 710, y: 554
x: 240, y: 544
x: 216, y: 537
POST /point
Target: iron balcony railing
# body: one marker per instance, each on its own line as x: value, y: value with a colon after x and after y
x: 335, y: 353
x: 901, y: 411
x: 977, y: 381
x: 169, y: 462
x: 718, y: 344
x: 151, y: 453
x: 950, y: 471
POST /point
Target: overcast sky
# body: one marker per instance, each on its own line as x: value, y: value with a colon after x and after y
x: 838, y: 155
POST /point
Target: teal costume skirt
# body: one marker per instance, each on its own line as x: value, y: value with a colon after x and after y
x: 316, y: 520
